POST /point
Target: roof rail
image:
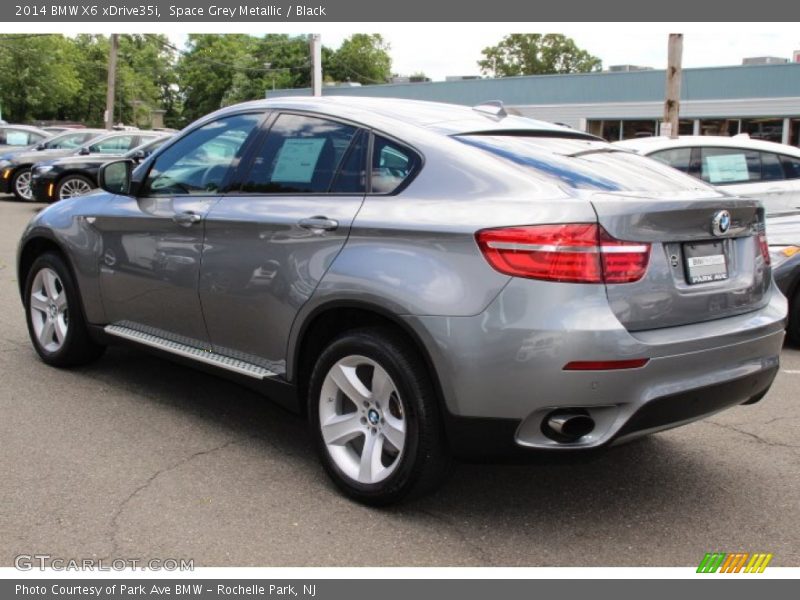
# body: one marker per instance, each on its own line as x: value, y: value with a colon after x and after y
x: 493, y: 108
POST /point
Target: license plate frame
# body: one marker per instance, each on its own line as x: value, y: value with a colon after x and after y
x: 705, y: 262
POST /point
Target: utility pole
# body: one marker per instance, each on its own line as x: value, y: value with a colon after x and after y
x: 672, y: 103
x: 315, y: 47
x: 112, y: 80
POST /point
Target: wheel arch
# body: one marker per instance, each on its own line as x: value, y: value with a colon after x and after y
x: 73, y: 173
x: 335, y: 317
x: 36, y: 244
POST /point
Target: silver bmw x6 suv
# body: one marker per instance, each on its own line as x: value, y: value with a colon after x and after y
x: 421, y: 280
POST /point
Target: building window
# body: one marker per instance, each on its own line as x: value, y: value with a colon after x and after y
x: 725, y: 127
x: 770, y: 130
x: 794, y: 132
x: 638, y: 129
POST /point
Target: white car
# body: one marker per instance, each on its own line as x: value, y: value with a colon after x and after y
x: 739, y: 165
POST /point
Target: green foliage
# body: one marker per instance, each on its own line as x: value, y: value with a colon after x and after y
x: 536, y: 54
x: 46, y: 77
x: 362, y: 58
x: 37, y: 76
x: 49, y: 77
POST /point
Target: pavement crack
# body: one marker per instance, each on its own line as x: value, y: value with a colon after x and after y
x: 122, y: 506
x: 754, y: 436
x: 483, y: 557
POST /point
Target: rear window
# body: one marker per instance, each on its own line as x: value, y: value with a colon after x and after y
x: 584, y: 164
x: 677, y: 158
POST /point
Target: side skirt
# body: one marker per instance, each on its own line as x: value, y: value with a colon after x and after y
x: 251, y: 376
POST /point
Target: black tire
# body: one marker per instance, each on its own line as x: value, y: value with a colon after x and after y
x: 17, y: 174
x: 793, y: 330
x: 424, y: 459
x: 77, y: 347
x: 68, y: 178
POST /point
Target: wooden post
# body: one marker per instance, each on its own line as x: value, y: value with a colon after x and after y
x: 672, y: 103
x: 112, y: 80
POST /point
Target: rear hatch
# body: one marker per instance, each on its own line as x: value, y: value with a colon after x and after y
x: 708, y: 253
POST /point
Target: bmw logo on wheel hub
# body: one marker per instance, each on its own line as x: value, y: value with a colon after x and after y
x: 373, y: 416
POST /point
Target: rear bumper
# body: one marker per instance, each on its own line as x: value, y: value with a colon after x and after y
x: 482, y: 438
x: 503, y: 371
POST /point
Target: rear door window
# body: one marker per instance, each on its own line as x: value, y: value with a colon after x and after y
x: 720, y: 166
x: 352, y: 175
x: 771, y: 169
x: 392, y: 165
x: 791, y: 166
x: 300, y: 155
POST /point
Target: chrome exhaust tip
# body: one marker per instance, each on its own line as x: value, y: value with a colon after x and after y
x: 567, y: 426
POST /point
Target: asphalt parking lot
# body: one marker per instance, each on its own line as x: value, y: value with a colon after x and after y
x: 135, y: 457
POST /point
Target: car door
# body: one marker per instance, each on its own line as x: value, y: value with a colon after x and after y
x: 268, y: 245
x: 152, y: 244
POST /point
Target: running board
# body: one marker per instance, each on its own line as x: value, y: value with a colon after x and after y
x: 203, y: 356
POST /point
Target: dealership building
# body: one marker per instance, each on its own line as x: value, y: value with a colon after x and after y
x: 762, y: 100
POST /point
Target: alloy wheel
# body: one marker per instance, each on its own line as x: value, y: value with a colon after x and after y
x: 362, y: 419
x: 73, y: 187
x: 49, y: 310
x: 22, y: 185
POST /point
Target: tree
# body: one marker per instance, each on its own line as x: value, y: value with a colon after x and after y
x: 219, y: 70
x: 536, y: 54
x: 363, y: 58
x: 207, y: 68
x: 38, y: 76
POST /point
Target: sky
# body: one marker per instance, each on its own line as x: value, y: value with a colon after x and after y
x: 425, y: 47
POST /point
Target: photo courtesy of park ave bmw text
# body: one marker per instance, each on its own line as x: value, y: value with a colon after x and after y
x: 340, y: 299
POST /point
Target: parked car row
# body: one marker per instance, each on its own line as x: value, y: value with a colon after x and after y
x: 76, y: 174
x: 421, y: 280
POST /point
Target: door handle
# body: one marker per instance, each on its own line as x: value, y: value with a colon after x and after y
x: 319, y: 223
x: 187, y: 219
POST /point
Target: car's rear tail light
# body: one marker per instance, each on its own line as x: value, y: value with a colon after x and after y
x: 764, y: 246
x: 573, y: 253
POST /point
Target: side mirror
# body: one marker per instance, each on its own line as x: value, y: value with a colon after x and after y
x: 40, y: 146
x: 115, y: 176
x: 83, y: 151
x: 139, y: 156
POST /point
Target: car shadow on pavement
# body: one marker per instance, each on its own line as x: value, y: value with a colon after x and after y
x: 619, y: 487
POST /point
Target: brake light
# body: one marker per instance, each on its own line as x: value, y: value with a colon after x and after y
x: 573, y: 253
x: 764, y: 246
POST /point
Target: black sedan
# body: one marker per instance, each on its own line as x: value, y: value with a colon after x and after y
x: 71, y: 176
x: 15, y: 165
x: 783, y: 233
